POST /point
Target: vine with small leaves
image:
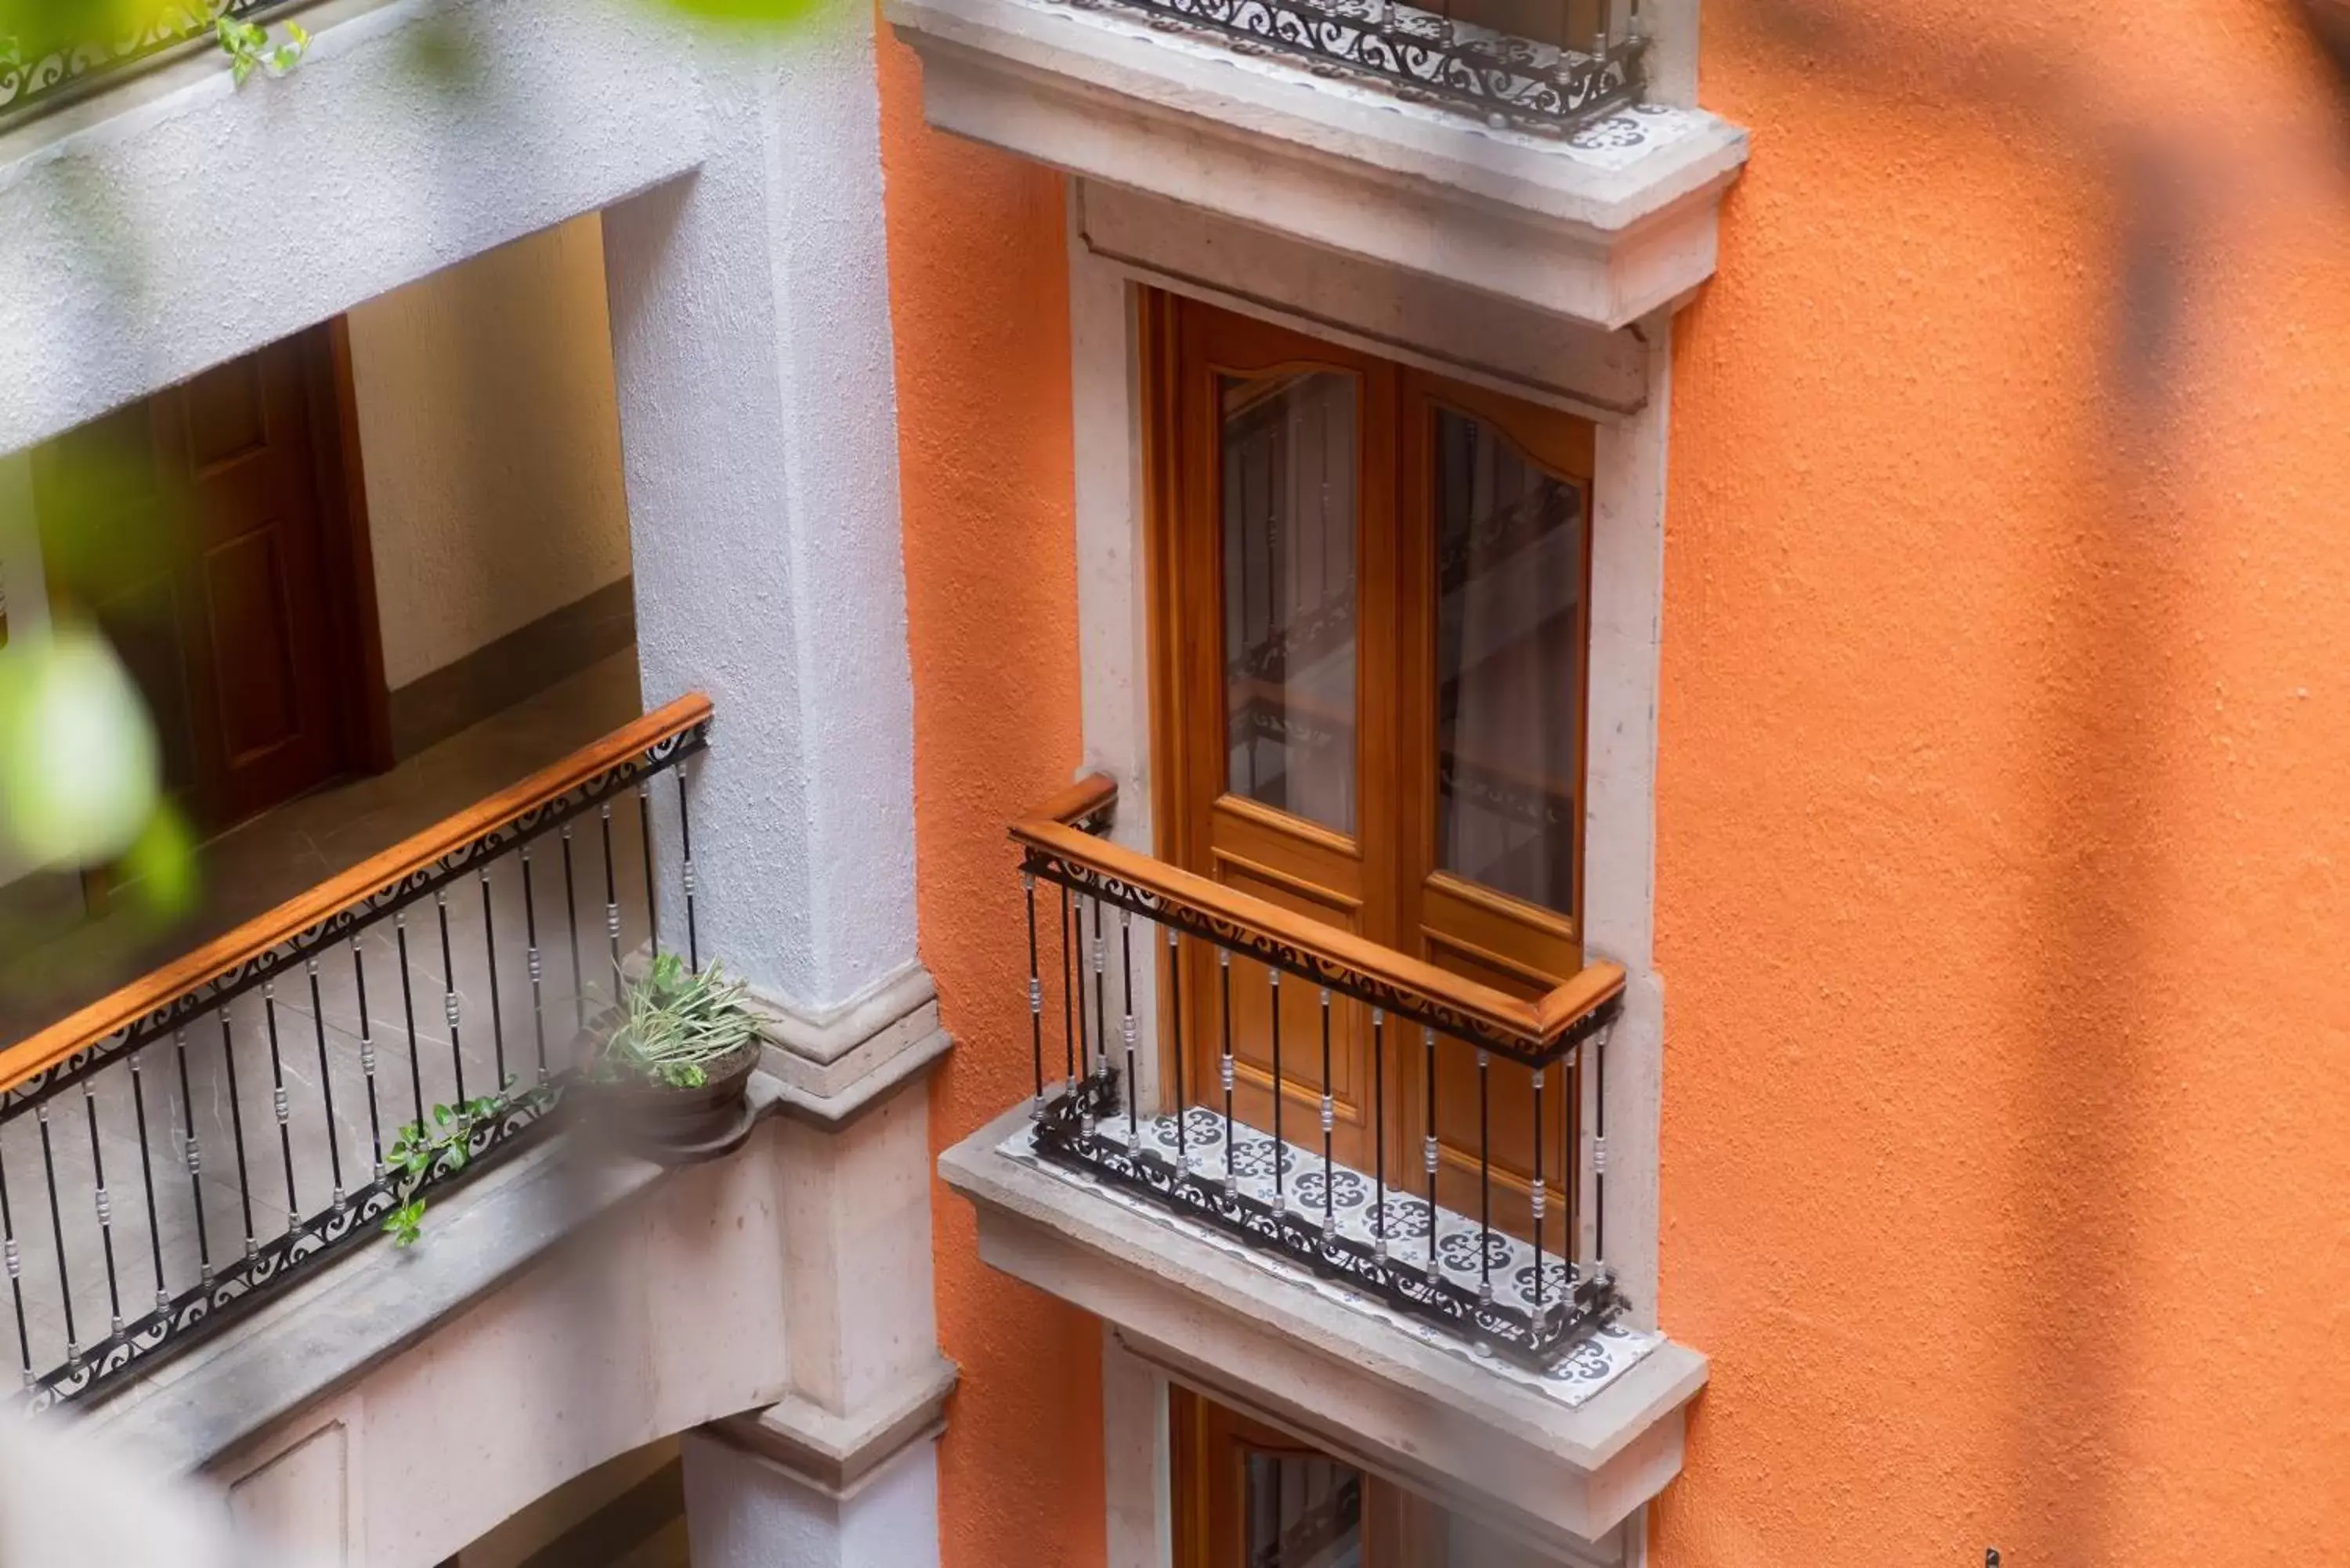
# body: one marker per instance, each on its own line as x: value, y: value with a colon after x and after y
x: 250, y: 48
x: 419, y: 1150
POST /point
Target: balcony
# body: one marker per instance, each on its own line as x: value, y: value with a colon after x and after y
x: 1511, y: 151
x: 179, y: 1153
x: 1441, y: 1308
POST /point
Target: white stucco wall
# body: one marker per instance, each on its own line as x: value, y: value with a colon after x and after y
x: 492, y: 445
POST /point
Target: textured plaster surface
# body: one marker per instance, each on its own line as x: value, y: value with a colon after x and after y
x: 2003, y: 742
x: 981, y: 312
x: 492, y: 446
x: 203, y: 222
x: 750, y: 313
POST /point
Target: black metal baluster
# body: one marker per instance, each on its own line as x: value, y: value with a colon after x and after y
x: 16, y: 1273
x: 497, y: 1009
x: 147, y: 1181
x: 1036, y: 993
x: 571, y: 913
x: 536, y: 966
x: 1379, y: 1134
x: 1599, y: 1156
x: 1101, y: 1004
x: 1175, y: 1048
x: 1329, y: 1119
x: 325, y: 1079
x: 685, y: 873
x: 1073, y: 1013
x: 1539, y: 1201
x: 645, y: 831
x: 277, y: 1101
x: 408, y: 1014
x: 57, y: 1235
x: 450, y: 1006
x: 1225, y: 981
x: 195, y: 1154
x: 1126, y: 1026
x: 105, y: 1208
x: 367, y: 1060
x: 1485, y: 1177
x: 611, y: 900
x: 1429, y: 1155
x: 1280, y: 1148
x: 1570, y: 1095
x: 236, y: 1131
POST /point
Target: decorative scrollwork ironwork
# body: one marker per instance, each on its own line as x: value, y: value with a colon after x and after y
x: 248, y: 1281
x: 353, y: 918
x: 1426, y: 56
x: 1063, y: 1133
x: 60, y: 72
x: 1338, y: 976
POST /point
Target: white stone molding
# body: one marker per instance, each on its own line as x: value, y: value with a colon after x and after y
x: 1560, y: 1477
x: 1604, y: 226
x: 834, y: 1063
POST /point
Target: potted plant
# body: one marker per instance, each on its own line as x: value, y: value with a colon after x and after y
x: 668, y: 1074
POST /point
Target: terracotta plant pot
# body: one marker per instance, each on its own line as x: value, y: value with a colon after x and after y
x: 675, y: 1125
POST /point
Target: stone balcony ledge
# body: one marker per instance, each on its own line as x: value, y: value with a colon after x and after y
x: 1603, y: 226
x: 1469, y: 1434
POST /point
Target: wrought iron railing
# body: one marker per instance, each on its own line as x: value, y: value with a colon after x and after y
x: 41, y: 71
x: 172, y: 1155
x: 1495, y: 1235
x: 1551, y: 86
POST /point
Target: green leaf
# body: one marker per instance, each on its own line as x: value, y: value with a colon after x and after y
x: 440, y: 1114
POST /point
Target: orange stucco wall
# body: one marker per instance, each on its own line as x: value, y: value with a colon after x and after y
x: 2003, y: 751
x: 979, y: 293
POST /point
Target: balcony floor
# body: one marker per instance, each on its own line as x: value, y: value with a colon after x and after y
x: 1354, y: 1206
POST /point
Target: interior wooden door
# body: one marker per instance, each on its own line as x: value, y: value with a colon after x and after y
x: 1496, y: 503
x: 1282, y: 497
x: 194, y: 527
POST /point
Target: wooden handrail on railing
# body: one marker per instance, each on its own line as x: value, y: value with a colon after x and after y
x: 1062, y: 851
x: 225, y: 955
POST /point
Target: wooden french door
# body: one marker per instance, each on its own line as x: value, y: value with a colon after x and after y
x: 200, y: 529
x: 1248, y: 1496
x: 1371, y: 605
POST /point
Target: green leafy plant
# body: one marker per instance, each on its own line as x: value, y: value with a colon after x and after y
x: 249, y: 47
x: 419, y: 1149
x: 673, y: 1025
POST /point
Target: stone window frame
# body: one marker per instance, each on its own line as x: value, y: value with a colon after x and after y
x: 1623, y: 673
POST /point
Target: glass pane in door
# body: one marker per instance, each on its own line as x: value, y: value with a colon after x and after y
x: 1509, y: 664
x: 1303, y: 1511
x: 1288, y: 472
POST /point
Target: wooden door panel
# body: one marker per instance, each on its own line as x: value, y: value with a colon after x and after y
x: 250, y: 622
x: 225, y: 414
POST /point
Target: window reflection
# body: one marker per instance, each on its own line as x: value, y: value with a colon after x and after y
x: 1289, y: 577
x: 1508, y: 542
x: 1304, y: 1511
